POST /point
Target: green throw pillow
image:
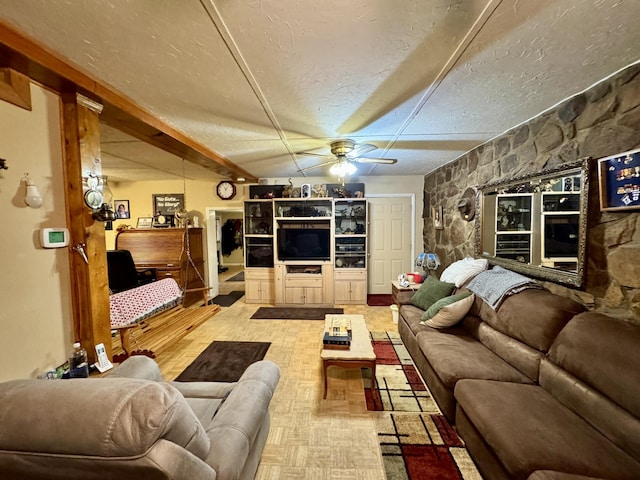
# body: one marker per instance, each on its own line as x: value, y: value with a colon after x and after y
x: 452, y: 310
x: 430, y: 292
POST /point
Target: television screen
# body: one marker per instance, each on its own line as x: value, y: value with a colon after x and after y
x: 561, y: 236
x: 304, y: 244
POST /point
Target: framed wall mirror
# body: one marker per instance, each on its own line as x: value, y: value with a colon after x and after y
x: 536, y: 224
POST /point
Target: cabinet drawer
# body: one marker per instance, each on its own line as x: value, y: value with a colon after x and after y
x: 175, y: 274
x: 349, y: 274
x: 303, y: 281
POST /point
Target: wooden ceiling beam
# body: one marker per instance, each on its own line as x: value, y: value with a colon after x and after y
x: 47, y: 68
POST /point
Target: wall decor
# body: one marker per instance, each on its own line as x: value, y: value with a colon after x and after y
x: 167, y: 203
x: 122, y: 208
x: 619, y: 181
x: 536, y: 224
x: 144, y: 222
x: 437, y: 214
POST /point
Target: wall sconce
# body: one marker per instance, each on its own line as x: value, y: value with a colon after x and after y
x: 437, y: 214
x: 32, y: 196
x: 98, y: 197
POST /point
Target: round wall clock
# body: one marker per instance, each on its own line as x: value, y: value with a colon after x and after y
x: 226, y: 190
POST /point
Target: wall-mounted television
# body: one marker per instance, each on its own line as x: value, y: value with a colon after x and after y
x: 304, y: 244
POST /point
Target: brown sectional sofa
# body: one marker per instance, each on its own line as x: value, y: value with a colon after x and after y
x: 538, y: 389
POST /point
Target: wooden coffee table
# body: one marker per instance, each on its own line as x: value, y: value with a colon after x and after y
x: 359, y: 355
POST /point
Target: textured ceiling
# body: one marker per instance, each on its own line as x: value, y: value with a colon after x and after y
x: 258, y: 81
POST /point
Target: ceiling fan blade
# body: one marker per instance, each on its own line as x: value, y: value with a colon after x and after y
x: 361, y: 150
x: 313, y: 154
x: 317, y: 166
x: 388, y: 161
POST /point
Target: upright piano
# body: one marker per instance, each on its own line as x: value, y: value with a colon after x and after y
x: 172, y: 252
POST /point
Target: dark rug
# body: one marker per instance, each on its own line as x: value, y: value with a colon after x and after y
x: 238, y: 277
x: 272, y: 313
x: 227, y: 300
x: 416, y: 440
x: 224, y: 361
x: 380, y: 300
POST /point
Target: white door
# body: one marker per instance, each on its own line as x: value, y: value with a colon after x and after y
x: 391, y: 249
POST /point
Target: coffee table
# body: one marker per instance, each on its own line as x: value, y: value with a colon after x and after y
x: 359, y: 355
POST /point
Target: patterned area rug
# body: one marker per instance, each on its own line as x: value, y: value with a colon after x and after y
x: 416, y: 440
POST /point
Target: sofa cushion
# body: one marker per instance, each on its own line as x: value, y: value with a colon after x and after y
x: 140, y: 413
x: 430, y: 292
x: 458, y: 355
x: 535, y: 317
x: 462, y: 271
x: 448, y: 311
x: 529, y: 430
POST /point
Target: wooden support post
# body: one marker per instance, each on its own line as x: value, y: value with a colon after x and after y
x: 89, y: 281
x: 15, y: 88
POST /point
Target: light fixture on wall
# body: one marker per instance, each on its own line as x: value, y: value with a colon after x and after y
x: 32, y: 195
x: 98, y: 197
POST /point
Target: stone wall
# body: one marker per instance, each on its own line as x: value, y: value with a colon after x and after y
x: 603, y: 121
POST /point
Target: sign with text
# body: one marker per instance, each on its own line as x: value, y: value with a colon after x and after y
x: 167, y: 203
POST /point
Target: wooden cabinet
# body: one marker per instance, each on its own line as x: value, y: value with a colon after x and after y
x: 350, y: 286
x: 259, y: 285
x: 304, y: 285
x: 172, y: 252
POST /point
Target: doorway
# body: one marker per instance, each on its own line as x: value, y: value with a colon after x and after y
x: 225, y: 262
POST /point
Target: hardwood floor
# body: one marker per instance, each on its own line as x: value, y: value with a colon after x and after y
x: 310, y: 438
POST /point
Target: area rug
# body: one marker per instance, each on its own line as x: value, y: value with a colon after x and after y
x: 228, y: 299
x: 238, y: 277
x: 380, y: 300
x: 416, y: 440
x: 223, y: 361
x: 272, y: 313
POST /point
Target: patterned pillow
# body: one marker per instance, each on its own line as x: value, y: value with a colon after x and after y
x: 430, y: 292
x: 448, y: 311
x: 462, y: 271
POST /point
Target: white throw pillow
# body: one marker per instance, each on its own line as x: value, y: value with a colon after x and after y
x: 462, y: 271
x: 450, y: 314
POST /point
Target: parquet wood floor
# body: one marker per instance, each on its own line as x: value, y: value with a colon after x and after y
x: 310, y: 438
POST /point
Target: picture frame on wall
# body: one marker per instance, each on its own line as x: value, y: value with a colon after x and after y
x: 619, y: 181
x: 167, y: 203
x: 122, y: 209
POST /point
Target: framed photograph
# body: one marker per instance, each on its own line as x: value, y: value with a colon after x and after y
x: 122, y: 208
x: 619, y: 181
x: 144, y: 222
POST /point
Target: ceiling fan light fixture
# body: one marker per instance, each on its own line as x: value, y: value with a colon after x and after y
x: 343, y: 168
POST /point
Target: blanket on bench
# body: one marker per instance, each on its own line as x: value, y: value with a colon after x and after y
x: 141, y: 302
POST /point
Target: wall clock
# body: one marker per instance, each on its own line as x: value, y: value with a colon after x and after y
x: 226, y: 190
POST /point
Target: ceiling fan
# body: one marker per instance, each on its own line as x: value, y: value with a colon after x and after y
x: 347, y: 154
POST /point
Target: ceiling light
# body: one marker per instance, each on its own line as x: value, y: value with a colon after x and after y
x: 343, y: 168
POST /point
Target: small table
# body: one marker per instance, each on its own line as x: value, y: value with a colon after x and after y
x: 395, y: 288
x: 359, y: 355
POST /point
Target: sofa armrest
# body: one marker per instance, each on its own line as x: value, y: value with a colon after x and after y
x: 239, y: 419
x: 137, y: 366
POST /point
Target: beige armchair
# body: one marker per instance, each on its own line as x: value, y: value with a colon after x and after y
x: 132, y: 425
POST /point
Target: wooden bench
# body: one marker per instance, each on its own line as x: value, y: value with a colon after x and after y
x: 153, y: 316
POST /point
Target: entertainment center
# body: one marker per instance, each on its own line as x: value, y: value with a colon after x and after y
x: 309, y: 251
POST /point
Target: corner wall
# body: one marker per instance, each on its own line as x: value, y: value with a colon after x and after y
x: 602, y: 121
x: 35, y: 299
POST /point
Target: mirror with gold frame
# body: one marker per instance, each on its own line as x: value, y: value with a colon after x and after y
x: 536, y: 224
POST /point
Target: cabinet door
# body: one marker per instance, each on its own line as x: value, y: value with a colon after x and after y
x: 313, y: 296
x: 267, y: 291
x: 294, y: 295
x: 351, y: 292
x: 342, y: 293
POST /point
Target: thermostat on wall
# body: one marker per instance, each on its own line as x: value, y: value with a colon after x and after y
x: 54, y: 237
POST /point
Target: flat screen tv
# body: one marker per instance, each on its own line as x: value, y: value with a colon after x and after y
x: 561, y: 236
x: 304, y: 244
